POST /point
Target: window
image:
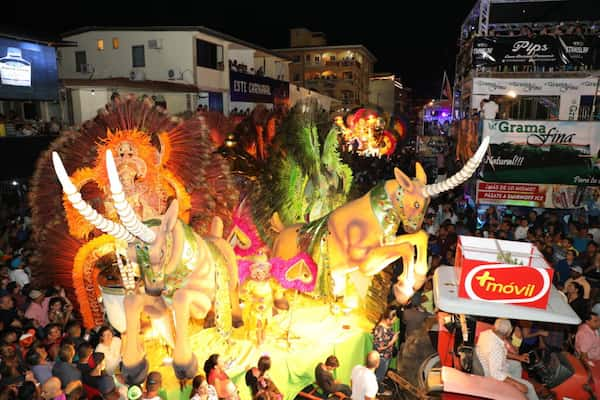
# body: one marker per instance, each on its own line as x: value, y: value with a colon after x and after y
x: 317, y: 59
x: 296, y: 58
x: 209, y: 55
x: 527, y: 107
x: 80, y: 60
x: 307, y: 58
x: 137, y: 56
x: 115, y: 42
x: 348, y: 75
x: 100, y: 44
x: 296, y: 77
x: 332, y: 58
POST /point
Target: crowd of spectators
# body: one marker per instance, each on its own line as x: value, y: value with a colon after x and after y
x: 13, y: 125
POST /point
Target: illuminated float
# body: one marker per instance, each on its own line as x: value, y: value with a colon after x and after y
x: 142, y: 225
x: 364, y: 132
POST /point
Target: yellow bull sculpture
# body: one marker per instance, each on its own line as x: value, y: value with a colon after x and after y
x: 362, y: 234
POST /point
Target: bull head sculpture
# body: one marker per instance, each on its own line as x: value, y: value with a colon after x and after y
x: 149, y: 245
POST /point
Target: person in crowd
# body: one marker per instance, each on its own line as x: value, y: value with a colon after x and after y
x: 153, y: 386
x: 38, y: 308
x: 52, y: 390
x: 59, y: 311
x: 64, y: 368
x: 492, y: 353
x: 562, y: 269
x: 73, y: 333
x: 577, y: 276
x: 17, y: 273
x: 521, y: 230
x: 326, y: 381
x: 214, y: 369
x: 52, y: 340
x: 576, y: 300
x: 37, y: 359
x: 364, y: 381
x: 110, y: 346
x: 587, y: 341
x: 96, y: 377
x: 532, y: 335
x: 29, y: 390
x: 8, y: 312
x: 384, y: 340
x: 259, y: 383
x: 201, y: 390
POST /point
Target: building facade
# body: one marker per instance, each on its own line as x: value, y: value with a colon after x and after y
x: 341, y: 72
x: 387, y: 92
x: 182, y: 67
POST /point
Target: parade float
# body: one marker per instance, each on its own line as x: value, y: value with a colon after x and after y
x: 146, y: 234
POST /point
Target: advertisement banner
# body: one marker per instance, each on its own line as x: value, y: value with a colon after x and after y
x: 517, y: 50
x: 552, y: 152
x: 539, y: 195
x: 502, y: 271
x: 256, y: 89
x: 540, y: 50
x: 536, y: 86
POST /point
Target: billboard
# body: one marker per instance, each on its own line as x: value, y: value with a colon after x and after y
x: 539, y: 195
x: 28, y: 71
x: 539, y: 50
x: 256, y: 89
x: 550, y: 152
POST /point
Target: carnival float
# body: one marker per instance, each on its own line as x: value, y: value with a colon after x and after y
x: 191, y: 239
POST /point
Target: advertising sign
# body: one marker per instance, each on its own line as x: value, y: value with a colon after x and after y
x: 256, y: 89
x: 28, y: 71
x: 535, y: 86
x: 551, y: 152
x: 502, y: 271
x: 538, y: 50
x: 539, y: 195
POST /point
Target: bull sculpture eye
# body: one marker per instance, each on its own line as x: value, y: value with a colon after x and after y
x: 417, y: 205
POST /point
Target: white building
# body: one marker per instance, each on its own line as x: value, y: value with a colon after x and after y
x: 184, y: 66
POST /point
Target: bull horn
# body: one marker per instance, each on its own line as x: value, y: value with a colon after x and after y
x: 126, y: 213
x: 91, y: 215
x: 461, y: 176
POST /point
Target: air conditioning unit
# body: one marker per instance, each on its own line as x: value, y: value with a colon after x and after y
x: 87, y: 68
x: 155, y: 44
x: 173, y: 74
x: 137, y: 75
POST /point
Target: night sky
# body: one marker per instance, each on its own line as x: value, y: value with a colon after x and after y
x: 418, y: 41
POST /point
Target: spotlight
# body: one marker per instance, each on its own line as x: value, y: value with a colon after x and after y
x: 15, y: 183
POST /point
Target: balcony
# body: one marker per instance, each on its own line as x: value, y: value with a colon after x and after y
x: 339, y: 64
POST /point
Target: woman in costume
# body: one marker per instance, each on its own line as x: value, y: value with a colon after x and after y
x: 259, y: 297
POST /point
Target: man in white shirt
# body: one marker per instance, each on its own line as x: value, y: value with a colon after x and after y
x: 364, y: 381
x: 492, y: 353
x: 521, y: 230
x: 490, y: 109
x: 17, y: 273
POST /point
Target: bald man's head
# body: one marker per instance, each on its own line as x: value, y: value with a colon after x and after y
x: 373, y: 360
x: 51, y: 388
